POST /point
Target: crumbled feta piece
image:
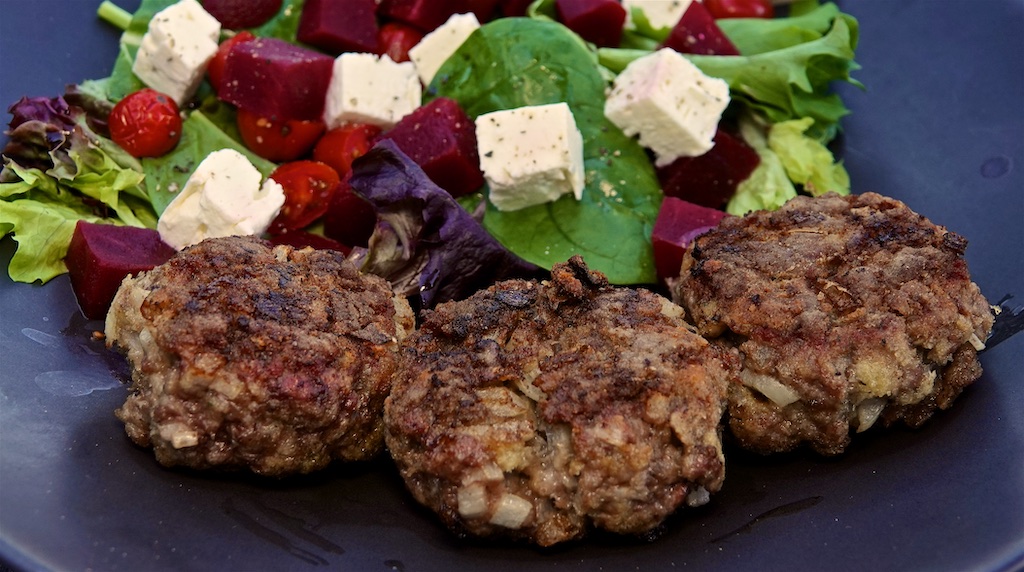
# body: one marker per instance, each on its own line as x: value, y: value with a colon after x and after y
x: 670, y: 103
x: 223, y: 197
x: 366, y: 88
x: 437, y: 46
x: 660, y: 13
x: 530, y: 155
x: 177, y: 47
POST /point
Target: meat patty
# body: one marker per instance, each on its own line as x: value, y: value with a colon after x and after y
x: 248, y: 356
x: 845, y: 310
x: 535, y: 410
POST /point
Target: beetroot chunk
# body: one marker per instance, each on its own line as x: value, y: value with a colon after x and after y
x: 441, y: 138
x: 349, y: 219
x: 276, y: 79
x: 301, y: 239
x: 697, y: 33
x: 101, y: 255
x: 596, y: 21
x: 239, y: 14
x: 710, y: 179
x: 514, y: 8
x: 429, y: 14
x: 338, y: 26
x: 678, y: 223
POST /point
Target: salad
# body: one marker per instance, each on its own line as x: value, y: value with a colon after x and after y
x: 62, y: 164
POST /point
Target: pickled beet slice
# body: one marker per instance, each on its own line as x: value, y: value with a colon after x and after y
x: 429, y: 14
x: 299, y: 239
x: 337, y: 26
x: 596, y: 21
x: 101, y: 255
x: 711, y: 179
x: 276, y: 79
x: 698, y: 33
x: 349, y: 218
x: 441, y: 139
x: 678, y: 223
x: 239, y: 14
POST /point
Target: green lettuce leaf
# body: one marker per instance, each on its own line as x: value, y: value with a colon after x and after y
x: 516, y: 62
x: 42, y: 210
x: 768, y: 187
x: 807, y: 161
x: 791, y: 82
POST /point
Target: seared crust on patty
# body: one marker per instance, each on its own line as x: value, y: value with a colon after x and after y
x: 247, y: 356
x: 845, y: 310
x: 534, y: 410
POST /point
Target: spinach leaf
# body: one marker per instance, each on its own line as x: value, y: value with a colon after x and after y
x: 516, y: 62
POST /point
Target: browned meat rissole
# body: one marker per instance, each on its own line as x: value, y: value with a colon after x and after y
x: 535, y: 410
x: 845, y: 310
x: 247, y: 356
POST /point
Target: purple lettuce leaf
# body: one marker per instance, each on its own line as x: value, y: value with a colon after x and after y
x: 425, y: 243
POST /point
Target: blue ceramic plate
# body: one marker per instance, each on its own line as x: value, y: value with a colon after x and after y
x: 940, y: 126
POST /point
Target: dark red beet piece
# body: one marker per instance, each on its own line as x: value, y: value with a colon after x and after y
x: 678, y: 223
x: 101, y: 255
x: 710, y: 179
x: 484, y: 10
x: 514, y: 8
x: 337, y: 26
x: 238, y: 14
x: 276, y: 79
x: 302, y: 239
x: 429, y: 14
x: 349, y: 218
x: 596, y: 21
x: 698, y: 33
x: 441, y: 139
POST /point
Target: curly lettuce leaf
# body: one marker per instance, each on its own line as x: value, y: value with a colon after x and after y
x: 790, y: 82
x: 425, y: 243
x: 807, y: 161
x: 515, y: 62
x: 59, y: 168
x: 41, y: 211
x: 768, y: 187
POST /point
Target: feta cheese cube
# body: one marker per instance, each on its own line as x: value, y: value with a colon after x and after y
x: 437, y: 46
x: 530, y: 155
x: 660, y: 13
x: 175, y: 50
x: 366, y: 88
x: 223, y: 197
x: 669, y: 103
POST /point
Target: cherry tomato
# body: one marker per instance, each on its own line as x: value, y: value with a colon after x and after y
x: 278, y: 141
x: 397, y: 39
x: 740, y: 8
x: 341, y: 145
x: 146, y: 123
x: 215, y: 70
x: 308, y: 189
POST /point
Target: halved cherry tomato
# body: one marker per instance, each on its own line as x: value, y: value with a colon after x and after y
x: 342, y: 145
x: 215, y: 70
x: 397, y: 39
x: 308, y: 189
x: 740, y: 8
x: 146, y: 123
x: 278, y: 141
